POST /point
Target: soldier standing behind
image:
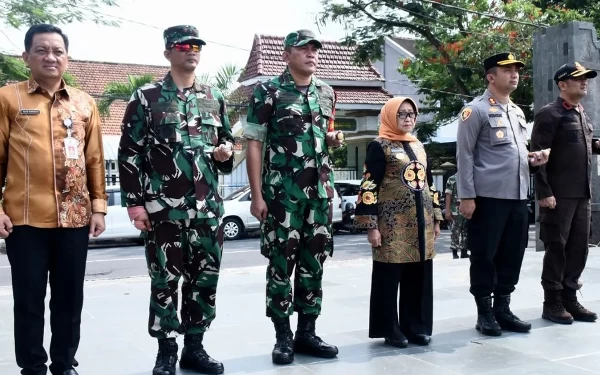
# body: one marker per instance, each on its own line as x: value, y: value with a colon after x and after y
x: 564, y: 188
x: 291, y: 118
x: 458, y: 221
x: 493, y: 182
x: 176, y: 137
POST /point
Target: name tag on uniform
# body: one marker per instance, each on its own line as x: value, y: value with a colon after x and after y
x: 398, y: 152
x: 495, y: 115
x: 30, y: 112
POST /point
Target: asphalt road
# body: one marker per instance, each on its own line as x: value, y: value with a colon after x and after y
x: 115, y: 261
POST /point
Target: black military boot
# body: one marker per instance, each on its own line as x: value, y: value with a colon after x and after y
x: 554, y: 310
x: 307, y: 342
x: 283, y: 352
x: 486, y: 322
x: 573, y: 306
x: 194, y: 357
x: 166, y: 357
x: 454, y: 254
x: 464, y: 254
x: 505, y: 318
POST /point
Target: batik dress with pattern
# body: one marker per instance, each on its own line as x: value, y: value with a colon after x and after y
x: 397, y: 199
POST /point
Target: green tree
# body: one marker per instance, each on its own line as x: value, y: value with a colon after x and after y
x: 24, y: 13
x: 224, y: 79
x: 451, y: 44
x: 589, y: 8
x: 121, y: 91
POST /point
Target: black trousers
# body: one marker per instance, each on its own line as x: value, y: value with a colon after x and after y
x: 565, y: 231
x: 497, y: 237
x: 415, y: 304
x: 34, y: 254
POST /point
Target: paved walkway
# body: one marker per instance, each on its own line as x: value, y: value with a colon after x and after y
x: 115, y: 342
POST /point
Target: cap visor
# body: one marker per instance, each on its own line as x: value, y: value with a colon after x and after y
x: 511, y: 62
x: 306, y: 41
x: 191, y: 40
x: 587, y: 73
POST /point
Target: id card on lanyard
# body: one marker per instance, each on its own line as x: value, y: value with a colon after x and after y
x: 71, y: 144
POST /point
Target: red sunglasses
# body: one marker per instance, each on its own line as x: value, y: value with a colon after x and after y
x: 187, y: 47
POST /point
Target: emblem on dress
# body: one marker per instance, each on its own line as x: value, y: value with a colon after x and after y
x: 500, y: 134
x: 414, y: 175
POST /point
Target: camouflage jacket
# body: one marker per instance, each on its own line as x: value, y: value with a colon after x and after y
x: 452, y: 189
x: 165, y: 162
x: 293, y: 125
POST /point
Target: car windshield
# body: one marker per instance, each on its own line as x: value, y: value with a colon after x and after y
x: 348, y: 189
x: 236, y: 194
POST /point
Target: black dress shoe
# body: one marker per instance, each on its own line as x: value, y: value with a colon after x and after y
x: 419, y: 339
x: 70, y: 372
x: 397, y: 342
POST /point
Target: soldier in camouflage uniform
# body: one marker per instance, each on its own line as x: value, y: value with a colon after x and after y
x: 176, y: 138
x: 458, y: 222
x: 290, y: 132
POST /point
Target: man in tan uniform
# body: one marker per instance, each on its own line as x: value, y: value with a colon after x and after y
x: 52, y: 168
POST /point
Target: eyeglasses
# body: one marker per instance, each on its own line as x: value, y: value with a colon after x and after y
x: 404, y: 115
x: 187, y: 47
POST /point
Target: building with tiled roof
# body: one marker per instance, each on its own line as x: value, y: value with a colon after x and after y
x: 359, y: 88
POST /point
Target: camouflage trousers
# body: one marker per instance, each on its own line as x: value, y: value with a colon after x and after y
x: 458, y: 238
x: 188, y: 248
x: 296, y: 238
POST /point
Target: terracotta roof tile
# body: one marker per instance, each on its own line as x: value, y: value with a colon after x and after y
x: 335, y: 61
x: 112, y: 124
x: 362, y: 95
x: 93, y: 76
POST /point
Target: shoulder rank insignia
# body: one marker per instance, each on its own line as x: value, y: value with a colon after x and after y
x: 492, y: 101
x: 464, y: 115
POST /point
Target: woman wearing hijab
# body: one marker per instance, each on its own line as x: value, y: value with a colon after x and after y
x: 400, y: 209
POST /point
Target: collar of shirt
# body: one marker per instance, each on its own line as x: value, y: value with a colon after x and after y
x: 33, y: 86
x: 287, y: 81
x: 564, y: 104
x: 169, y: 84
